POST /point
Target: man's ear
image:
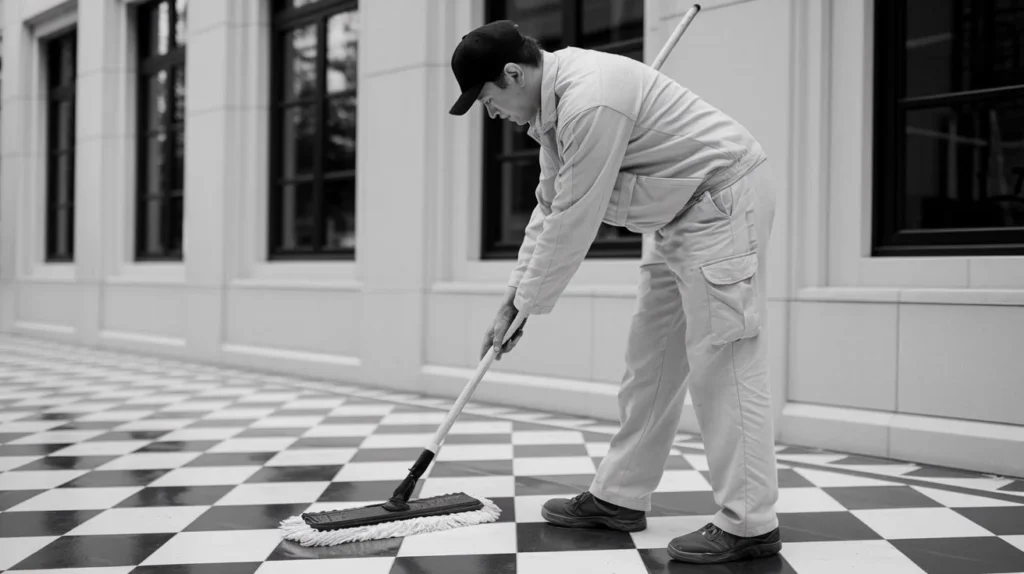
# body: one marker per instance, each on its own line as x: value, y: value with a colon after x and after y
x: 514, y: 74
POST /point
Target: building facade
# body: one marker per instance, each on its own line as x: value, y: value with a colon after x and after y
x: 278, y: 185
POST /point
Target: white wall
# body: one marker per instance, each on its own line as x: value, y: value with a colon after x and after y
x: 862, y: 356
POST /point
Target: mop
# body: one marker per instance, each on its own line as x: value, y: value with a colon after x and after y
x: 398, y: 517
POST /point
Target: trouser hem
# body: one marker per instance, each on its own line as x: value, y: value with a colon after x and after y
x: 631, y: 503
x: 750, y: 531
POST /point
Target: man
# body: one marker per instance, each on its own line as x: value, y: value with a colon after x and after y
x: 625, y: 145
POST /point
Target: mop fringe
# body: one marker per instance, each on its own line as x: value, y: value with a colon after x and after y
x: 296, y: 529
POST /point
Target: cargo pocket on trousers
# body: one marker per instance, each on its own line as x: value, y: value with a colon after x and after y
x: 732, y: 298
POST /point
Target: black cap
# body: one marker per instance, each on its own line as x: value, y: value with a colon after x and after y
x: 480, y: 57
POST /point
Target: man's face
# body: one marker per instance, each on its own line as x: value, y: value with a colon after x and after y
x: 513, y: 102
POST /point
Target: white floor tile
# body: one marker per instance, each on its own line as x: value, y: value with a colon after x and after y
x: 1017, y: 540
x: 206, y: 476
x: 481, y: 427
x: 617, y: 561
x: 960, y: 500
x: 30, y: 426
x: 467, y: 452
x: 541, y: 466
x: 58, y: 437
x: 77, y: 499
x: 902, y: 523
x: 322, y: 403
x: 419, y: 440
x: 274, y: 398
x: 491, y: 538
x: 342, y: 430
x: 156, y: 425
x: 363, y: 471
x: 486, y: 486
x: 273, y: 493
x: 150, y: 460
x: 547, y: 437
x: 598, y: 448
x: 116, y: 416
x: 286, y: 422
x: 102, y: 448
x: 212, y: 433
x: 361, y: 410
x: 14, y: 550
x: 248, y: 445
x: 216, y: 547
x: 808, y: 499
x: 140, y: 520
x: 682, y: 481
x: 697, y: 461
x: 528, y: 507
x: 826, y: 479
x: 662, y: 529
x: 238, y: 414
x: 312, y: 457
x: 848, y: 557
x: 13, y: 462
x: 431, y: 418
x: 37, y: 479
x: 196, y: 406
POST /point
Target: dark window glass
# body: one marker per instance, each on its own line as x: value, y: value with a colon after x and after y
x: 949, y: 142
x: 60, y: 147
x: 161, y: 130
x: 511, y: 165
x: 313, y: 150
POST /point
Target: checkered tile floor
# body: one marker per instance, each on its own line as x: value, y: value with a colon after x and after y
x: 112, y: 463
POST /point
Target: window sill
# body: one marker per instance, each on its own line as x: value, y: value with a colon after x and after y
x: 153, y: 273
x: 990, y: 297
x: 63, y: 272
x: 471, y: 288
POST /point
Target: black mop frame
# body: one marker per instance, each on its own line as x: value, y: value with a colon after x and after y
x: 398, y: 506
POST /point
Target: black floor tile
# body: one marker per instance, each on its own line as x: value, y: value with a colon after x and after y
x: 129, y: 435
x: 68, y: 463
x: 220, y: 568
x: 295, y: 474
x: 546, y: 450
x: 508, y: 508
x: 1015, y: 486
x: 543, y: 537
x: 564, y: 484
x: 218, y: 423
x: 87, y: 425
x: 489, y: 563
x: 823, y: 527
x: 527, y: 426
x: 856, y: 459
x: 471, y: 468
x: 358, y: 491
x: 596, y: 437
x: 878, y: 497
x: 30, y: 449
x: 694, y: 503
x: 386, y: 454
x: 95, y: 551
x: 801, y: 450
x: 328, y: 442
x: 289, y: 550
x: 353, y: 420
x: 657, y: 561
x: 49, y: 523
x: 180, y: 446
x: 941, y: 472
x: 232, y: 459
x: 254, y: 517
x: 105, y: 478
x: 677, y: 462
x: 176, y: 496
x: 12, y: 498
x: 496, y: 438
x: 1000, y: 520
x: 962, y: 555
x: 789, y: 478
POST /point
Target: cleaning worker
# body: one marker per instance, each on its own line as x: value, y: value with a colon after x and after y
x: 625, y: 145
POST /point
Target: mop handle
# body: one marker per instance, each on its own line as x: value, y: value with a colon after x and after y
x: 467, y: 392
x: 676, y: 34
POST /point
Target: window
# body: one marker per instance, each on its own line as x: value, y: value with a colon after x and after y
x: 949, y: 127
x: 313, y: 130
x: 60, y: 147
x: 161, y: 131
x: 511, y: 167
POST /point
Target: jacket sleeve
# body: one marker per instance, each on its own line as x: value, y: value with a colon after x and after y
x: 533, y: 228
x: 593, y: 144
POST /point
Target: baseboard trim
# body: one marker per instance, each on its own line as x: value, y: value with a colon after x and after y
x: 972, y: 445
x: 44, y: 328
x: 144, y: 339
x: 285, y: 361
x: 565, y: 396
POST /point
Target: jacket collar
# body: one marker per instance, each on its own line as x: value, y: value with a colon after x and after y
x: 548, y: 112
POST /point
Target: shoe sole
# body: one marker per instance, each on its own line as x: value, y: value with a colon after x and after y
x: 750, y: 552
x: 594, y: 522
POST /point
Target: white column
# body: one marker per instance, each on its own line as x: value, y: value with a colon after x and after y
x: 12, y: 157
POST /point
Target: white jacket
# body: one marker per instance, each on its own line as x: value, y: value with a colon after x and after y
x: 622, y: 144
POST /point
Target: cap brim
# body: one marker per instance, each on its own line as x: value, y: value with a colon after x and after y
x: 465, y: 101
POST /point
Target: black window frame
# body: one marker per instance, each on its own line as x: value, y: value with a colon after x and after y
x: 284, y: 19
x: 173, y: 64
x: 60, y: 90
x: 494, y: 156
x: 889, y: 169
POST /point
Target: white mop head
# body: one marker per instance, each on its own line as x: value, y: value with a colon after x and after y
x: 296, y: 529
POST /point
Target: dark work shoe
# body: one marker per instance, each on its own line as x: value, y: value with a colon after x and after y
x: 711, y: 544
x: 588, y: 511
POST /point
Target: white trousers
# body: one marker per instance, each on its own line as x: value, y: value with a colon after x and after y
x: 699, y: 323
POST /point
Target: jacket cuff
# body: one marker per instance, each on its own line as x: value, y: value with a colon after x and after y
x: 529, y: 307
